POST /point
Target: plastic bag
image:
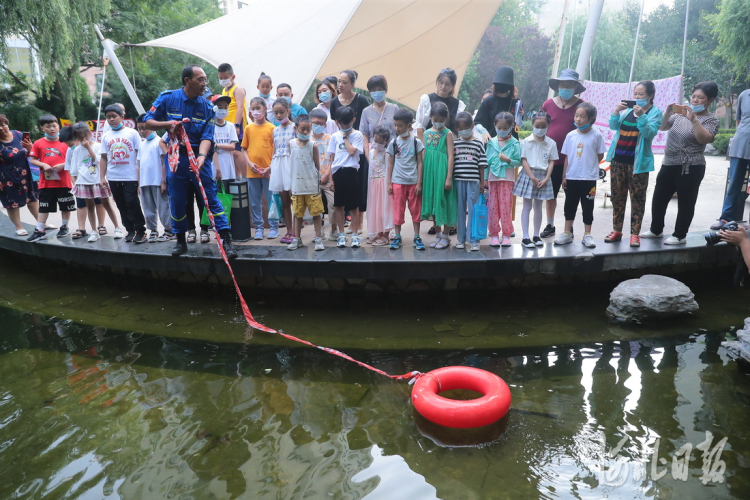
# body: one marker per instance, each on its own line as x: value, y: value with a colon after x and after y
x: 226, y: 203
x: 274, y: 211
x: 479, y: 219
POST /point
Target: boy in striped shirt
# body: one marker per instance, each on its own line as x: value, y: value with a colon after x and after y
x: 469, y: 162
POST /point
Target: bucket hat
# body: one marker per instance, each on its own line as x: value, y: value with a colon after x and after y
x: 567, y: 75
x: 504, y: 75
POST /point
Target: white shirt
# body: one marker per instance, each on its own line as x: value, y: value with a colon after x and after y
x: 331, y: 126
x: 582, y: 151
x: 425, y: 108
x: 337, y: 147
x: 537, y: 153
x: 225, y: 134
x: 80, y: 164
x: 150, y: 158
x: 121, y: 148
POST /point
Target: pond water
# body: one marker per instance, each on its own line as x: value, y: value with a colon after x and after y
x: 112, y: 393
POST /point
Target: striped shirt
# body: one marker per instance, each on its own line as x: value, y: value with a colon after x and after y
x: 625, y: 149
x: 468, y: 157
x: 682, y: 147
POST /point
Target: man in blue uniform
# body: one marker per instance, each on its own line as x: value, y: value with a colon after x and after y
x: 169, y: 108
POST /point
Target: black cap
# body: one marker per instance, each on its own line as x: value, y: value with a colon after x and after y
x: 504, y: 75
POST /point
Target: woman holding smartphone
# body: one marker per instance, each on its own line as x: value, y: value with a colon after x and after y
x: 16, y: 185
x: 631, y: 158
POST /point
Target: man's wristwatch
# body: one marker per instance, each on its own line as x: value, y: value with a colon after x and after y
x: 202, y: 154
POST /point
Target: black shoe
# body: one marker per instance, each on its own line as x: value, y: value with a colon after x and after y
x: 180, y: 247
x: 37, y: 236
x: 431, y: 230
x: 538, y: 241
x: 528, y: 243
x: 226, y: 241
x: 140, y: 237
x: 129, y: 237
x: 452, y: 231
x: 63, y: 231
x: 548, y: 231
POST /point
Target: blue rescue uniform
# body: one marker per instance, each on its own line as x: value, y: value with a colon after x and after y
x: 175, y: 105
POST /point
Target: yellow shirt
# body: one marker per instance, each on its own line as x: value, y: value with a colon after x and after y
x: 258, y: 142
x: 232, y: 105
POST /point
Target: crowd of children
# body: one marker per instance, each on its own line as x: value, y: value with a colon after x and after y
x: 319, y: 162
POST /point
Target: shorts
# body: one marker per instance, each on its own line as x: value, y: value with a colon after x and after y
x: 240, y: 135
x: 556, y: 178
x: 311, y: 202
x: 403, y: 193
x: 81, y: 202
x: 347, y: 191
x: 50, y: 198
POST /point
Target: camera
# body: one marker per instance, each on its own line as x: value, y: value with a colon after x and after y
x: 712, y: 237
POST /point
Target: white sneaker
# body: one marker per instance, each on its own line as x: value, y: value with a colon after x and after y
x: 588, y: 241
x: 348, y: 231
x: 118, y: 233
x: 673, y: 240
x: 295, y: 244
x: 475, y: 247
x: 564, y: 239
x: 93, y: 237
x: 341, y: 241
x: 355, y: 241
x: 318, y: 244
x: 460, y: 245
x: 334, y: 236
x: 649, y: 234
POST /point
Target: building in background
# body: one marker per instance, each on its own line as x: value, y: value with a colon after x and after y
x: 229, y: 6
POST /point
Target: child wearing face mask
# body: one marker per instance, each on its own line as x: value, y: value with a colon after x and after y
x: 284, y: 92
x: 470, y: 163
x: 538, y: 155
x: 438, y: 195
x: 503, y: 157
x: 305, y: 173
x: 225, y: 138
x: 380, y: 209
x: 257, y: 149
x: 281, y: 177
x: 265, y: 86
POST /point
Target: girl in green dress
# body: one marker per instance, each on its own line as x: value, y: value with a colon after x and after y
x: 438, y: 196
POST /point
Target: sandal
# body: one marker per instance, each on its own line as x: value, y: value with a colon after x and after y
x: 191, y: 236
x: 102, y: 230
x: 380, y: 242
x: 22, y: 232
x: 79, y: 233
x: 612, y: 237
x: 635, y: 240
x: 445, y: 242
x: 205, y: 238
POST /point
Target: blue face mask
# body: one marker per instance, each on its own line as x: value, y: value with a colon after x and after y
x: 378, y: 95
x: 51, y: 137
x: 318, y: 129
x: 584, y: 127
x: 502, y: 133
x: 346, y: 129
x: 118, y: 127
x: 324, y: 97
x: 264, y: 96
x: 153, y: 134
x: 286, y: 98
x: 641, y: 102
x: 565, y: 93
x: 697, y: 108
x: 303, y: 137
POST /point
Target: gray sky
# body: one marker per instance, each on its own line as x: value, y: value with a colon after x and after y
x: 551, y: 14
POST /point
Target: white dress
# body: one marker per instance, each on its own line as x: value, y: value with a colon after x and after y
x: 281, y: 174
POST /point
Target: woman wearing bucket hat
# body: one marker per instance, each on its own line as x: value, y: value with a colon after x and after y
x: 561, y: 110
x: 502, y: 99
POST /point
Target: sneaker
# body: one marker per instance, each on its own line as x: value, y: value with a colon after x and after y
x: 153, y: 237
x: 348, y: 231
x: 418, y: 243
x: 588, y: 241
x: 460, y: 245
x: 527, y: 243
x: 129, y: 236
x: 341, y: 241
x: 495, y: 241
x: 37, y: 235
x: 673, y: 240
x: 718, y: 225
x: 396, y: 243
x: 140, y: 237
x: 117, y: 234
x: 163, y: 237
x: 273, y: 234
x: 355, y: 241
x: 549, y: 230
x: 513, y: 234
x: 649, y: 235
x: 63, y: 231
x: 453, y: 231
x: 538, y: 241
x: 334, y: 235
x: 564, y: 239
x: 258, y: 234
x: 506, y: 241
x: 93, y: 237
x: 295, y: 244
x: 475, y: 247
x: 318, y: 244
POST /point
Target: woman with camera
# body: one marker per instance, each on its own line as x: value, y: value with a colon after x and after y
x: 690, y: 128
x: 16, y: 185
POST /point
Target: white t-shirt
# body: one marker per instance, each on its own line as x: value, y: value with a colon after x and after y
x: 338, y: 148
x: 121, y: 148
x: 150, y: 158
x: 225, y: 134
x: 80, y: 164
x: 537, y: 153
x: 405, y: 162
x: 582, y: 151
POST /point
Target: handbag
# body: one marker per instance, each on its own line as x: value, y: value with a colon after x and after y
x: 226, y: 203
x: 274, y: 211
x: 479, y: 219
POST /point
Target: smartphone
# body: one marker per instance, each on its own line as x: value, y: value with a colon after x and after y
x: 679, y: 109
x: 627, y: 103
x: 26, y: 136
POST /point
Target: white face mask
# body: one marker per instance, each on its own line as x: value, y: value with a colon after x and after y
x: 405, y: 135
x: 438, y: 125
x: 226, y: 83
x: 540, y: 132
x: 465, y: 134
x: 222, y: 113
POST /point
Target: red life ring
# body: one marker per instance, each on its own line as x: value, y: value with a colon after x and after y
x: 491, y: 407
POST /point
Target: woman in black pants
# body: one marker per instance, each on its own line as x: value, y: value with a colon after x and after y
x: 690, y: 129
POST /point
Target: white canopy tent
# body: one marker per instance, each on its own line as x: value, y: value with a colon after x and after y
x: 297, y: 41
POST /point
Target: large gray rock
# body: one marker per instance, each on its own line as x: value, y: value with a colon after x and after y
x: 741, y: 346
x: 650, y: 297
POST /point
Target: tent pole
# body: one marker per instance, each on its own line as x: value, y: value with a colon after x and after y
x: 558, y: 49
x: 684, y: 39
x: 101, y: 95
x: 109, y: 49
x: 587, y: 44
x: 635, y: 49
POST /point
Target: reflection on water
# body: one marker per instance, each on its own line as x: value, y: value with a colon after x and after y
x: 88, y: 412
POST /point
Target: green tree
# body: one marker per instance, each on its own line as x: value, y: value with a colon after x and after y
x: 731, y: 27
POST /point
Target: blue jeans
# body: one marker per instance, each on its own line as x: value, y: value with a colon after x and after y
x: 177, y: 187
x: 734, y: 201
x: 467, y: 193
x: 256, y: 187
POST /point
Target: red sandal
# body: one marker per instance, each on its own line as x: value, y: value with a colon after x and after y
x: 612, y: 237
x: 635, y: 240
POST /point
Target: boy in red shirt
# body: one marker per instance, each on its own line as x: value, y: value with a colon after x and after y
x: 48, y: 153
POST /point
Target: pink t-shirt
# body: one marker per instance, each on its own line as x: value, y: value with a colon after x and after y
x: 560, y: 125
